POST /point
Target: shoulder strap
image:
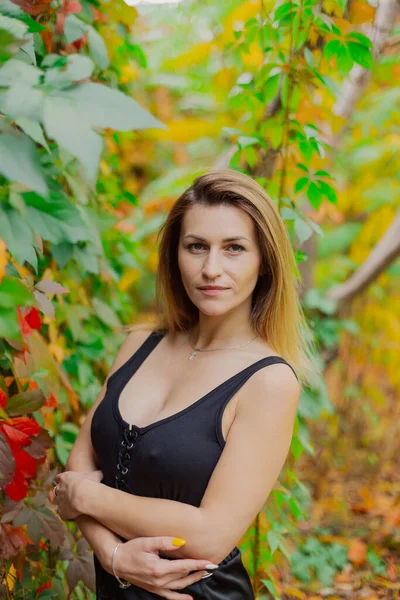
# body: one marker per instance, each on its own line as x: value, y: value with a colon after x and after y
x: 270, y: 360
x: 137, y: 357
x: 235, y: 383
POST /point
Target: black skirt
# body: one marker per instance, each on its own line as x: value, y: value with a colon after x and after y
x: 229, y: 582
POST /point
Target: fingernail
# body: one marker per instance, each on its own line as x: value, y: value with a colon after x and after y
x: 211, y: 566
x: 208, y: 575
x: 178, y: 542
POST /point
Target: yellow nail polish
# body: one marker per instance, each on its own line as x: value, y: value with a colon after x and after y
x: 178, y: 542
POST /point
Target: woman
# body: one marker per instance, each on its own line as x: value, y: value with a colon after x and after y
x: 191, y: 431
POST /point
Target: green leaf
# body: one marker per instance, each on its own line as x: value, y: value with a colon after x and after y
x: 245, y: 140
x: 34, y: 130
x: 19, y: 161
x: 55, y: 219
x: 360, y: 38
x: 328, y: 191
x: 302, y: 230
x: 9, y: 44
x: 65, y: 124
x: 17, y: 71
x: 105, y: 313
x: 97, y: 48
x: 300, y: 184
x: 344, y: 59
x: 13, y: 293
x: 9, y: 9
x: 23, y: 101
x: 314, y: 195
x: 273, y: 540
x: 78, y: 67
x: 332, y: 48
x: 104, y: 107
x: 361, y: 55
x: 25, y: 402
x: 9, y: 324
x: 17, y: 235
x: 74, y: 29
x: 271, y: 87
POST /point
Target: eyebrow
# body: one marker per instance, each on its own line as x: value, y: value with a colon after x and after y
x: 230, y: 239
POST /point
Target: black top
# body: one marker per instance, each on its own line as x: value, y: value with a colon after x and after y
x: 172, y: 458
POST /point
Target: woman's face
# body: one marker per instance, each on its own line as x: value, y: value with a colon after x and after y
x: 206, y: 257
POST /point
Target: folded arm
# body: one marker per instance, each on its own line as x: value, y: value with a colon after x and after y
x: 255, y: 452
x: 82, y: 458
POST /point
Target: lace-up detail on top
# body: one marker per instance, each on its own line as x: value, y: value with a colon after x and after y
x: 128, y: 442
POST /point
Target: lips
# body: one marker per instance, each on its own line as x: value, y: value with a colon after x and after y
x: 212, y: 287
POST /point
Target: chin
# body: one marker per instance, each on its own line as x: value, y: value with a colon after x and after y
x: 212, y: 311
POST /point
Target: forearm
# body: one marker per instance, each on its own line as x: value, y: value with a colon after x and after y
x: 138, y: 516
x: 101, y: 539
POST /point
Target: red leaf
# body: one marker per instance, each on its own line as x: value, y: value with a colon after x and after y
x: 34, y: 8
x: 19, y: 430
x: 44, y: 586
x: 33, y: 318
x: 60, y: 22
x: 7, y: 462
x: 25, y: 467
x: 32, y: 385
x: 77, y: 44
x: 12, y: 540
x: 3, y: 398
x: 72, y: 7
x: 23, y: 324
x: 51, y: 401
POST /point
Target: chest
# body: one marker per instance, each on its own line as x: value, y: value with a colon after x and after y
x: 159, y: 391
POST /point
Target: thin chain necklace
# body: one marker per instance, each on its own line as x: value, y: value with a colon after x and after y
x: 193, y: 354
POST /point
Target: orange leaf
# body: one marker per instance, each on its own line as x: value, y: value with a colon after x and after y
x: 357, y: 553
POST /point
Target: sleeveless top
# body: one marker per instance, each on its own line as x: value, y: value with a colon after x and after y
x: 172, y: 458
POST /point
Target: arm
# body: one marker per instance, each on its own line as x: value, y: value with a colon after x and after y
x: 242, y: 480
x: 82, y: 459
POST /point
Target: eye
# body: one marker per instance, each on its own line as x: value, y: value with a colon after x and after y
x: 241, y: 248
x: 237, y: 246
x: 190, y: 246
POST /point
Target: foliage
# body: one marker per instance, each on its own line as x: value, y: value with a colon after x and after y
x: 253, y: 86
x: 58, y: 95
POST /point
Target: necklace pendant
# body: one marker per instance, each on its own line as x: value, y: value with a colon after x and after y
x: 193, y: 354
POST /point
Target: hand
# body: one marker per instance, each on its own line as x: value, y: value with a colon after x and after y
x: 66, y: 496
x: 138, y: 561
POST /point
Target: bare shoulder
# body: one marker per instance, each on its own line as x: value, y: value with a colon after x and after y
x: 134, y: 339
x: 273, y: 387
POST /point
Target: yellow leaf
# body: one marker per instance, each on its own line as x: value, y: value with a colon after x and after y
x: 201, y: 51
x: 152, y: 261
x: 3, y: 258
x: 128, y: 279
x: 11, y: 577
x: 128, y: 73
x: 190, y: 129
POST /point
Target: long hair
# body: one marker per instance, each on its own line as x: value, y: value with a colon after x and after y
x: 276, y: 313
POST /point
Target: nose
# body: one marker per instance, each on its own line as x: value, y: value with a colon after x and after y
x: 212, y: 268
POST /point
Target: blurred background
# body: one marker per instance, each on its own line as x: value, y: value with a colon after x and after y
x: 107, y: 113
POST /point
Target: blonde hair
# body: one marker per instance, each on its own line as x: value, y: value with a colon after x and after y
x: 276, y: 314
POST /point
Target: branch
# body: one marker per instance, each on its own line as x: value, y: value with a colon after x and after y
x: 379, y: 259
x: 359, y: 77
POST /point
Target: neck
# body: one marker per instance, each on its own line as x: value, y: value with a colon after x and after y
x: 220, y: 331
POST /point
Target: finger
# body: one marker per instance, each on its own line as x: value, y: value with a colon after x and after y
x: 172, y: 595
x: 187, y: 564
x: 180, y: 584
x: 165, y: 593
